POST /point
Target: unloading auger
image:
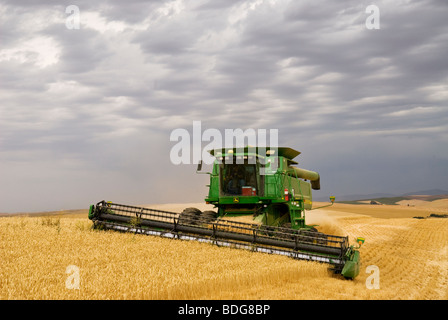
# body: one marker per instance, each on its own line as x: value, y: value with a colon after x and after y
x: 246, y: 181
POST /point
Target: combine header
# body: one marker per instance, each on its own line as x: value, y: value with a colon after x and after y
x: 246, y: 181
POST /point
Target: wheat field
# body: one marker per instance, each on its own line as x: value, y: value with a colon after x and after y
x: 37, y: 252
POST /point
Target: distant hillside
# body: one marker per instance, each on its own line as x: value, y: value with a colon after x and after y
x: 386, y: 200
x: 356, y: 197
x: 432, y: 192
x: 387, y: 197
x: 395, y: 200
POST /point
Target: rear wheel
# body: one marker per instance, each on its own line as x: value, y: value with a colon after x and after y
x: 190, y: 216
x: 208, y: 216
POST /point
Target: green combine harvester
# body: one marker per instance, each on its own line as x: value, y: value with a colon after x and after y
x: 260, y: 182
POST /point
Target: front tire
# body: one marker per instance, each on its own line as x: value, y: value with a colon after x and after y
x: 208, y: 216
x: 190, y: 216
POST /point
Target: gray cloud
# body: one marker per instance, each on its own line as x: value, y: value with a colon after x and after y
x: 86, y: 114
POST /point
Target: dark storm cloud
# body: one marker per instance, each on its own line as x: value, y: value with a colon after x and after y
x: 99, y: 103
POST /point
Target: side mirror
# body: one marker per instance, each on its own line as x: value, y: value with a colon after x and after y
x: 199, y: 166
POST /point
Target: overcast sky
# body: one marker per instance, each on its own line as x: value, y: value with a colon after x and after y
x: 86, y: 113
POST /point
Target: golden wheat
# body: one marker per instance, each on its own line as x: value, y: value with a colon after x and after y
x: 35, y: 253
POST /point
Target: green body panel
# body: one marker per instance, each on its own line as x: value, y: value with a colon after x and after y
x: 352, y: 264
x: 214, y: 184
x: 238, y: 199
x: 91, y: 212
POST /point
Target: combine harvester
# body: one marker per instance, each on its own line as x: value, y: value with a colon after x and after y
x: 261, y: 182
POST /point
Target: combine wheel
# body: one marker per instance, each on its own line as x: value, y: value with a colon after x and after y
x: 208, y: 216
x: 190, y: 216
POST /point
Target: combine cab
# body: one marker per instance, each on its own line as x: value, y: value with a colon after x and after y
x: 260, y: 182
